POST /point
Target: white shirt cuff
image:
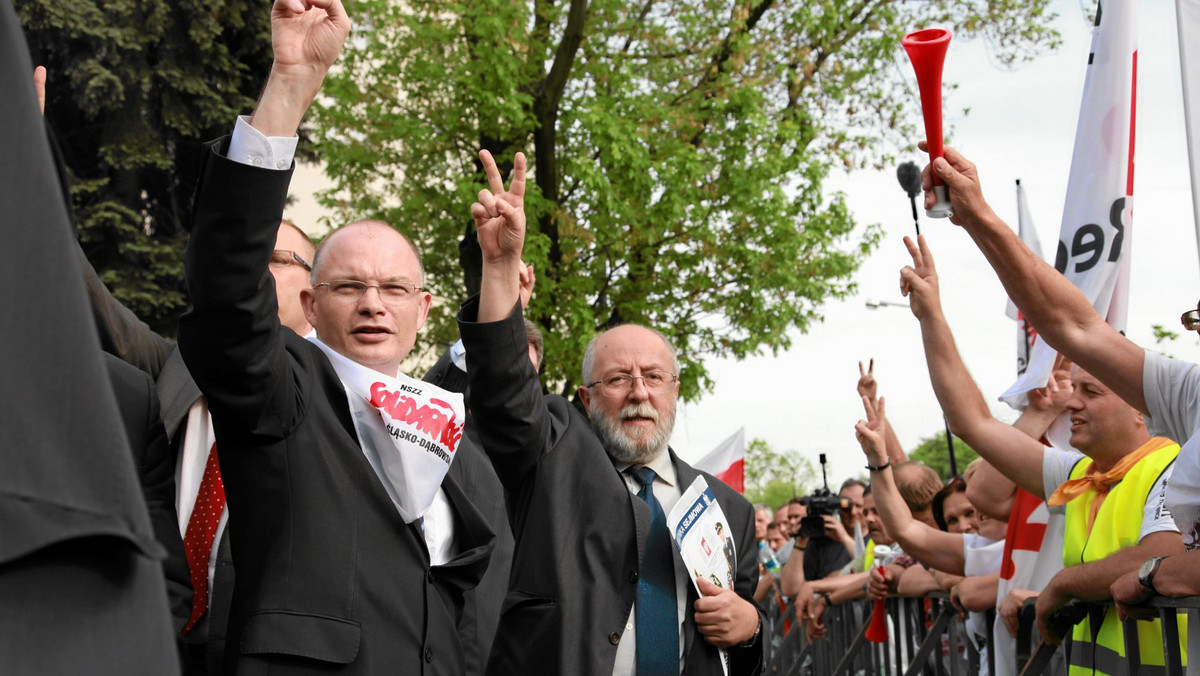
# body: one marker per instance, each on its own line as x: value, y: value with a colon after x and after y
x: 458, y: 354
x: 250, y: 146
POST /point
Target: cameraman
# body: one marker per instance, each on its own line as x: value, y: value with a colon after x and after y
x: 822, y: 545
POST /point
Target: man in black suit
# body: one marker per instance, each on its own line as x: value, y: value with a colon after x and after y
x: 81, y: 584
x: 597, y: 586
x: 331, y: 577
x: 189, y: 434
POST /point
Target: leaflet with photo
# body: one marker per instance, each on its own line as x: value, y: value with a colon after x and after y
x: 704, y: 539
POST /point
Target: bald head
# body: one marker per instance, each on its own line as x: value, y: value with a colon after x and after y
x: 369, y: 228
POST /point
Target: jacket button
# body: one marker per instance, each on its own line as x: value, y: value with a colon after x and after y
x: 633, y: 576
x: 429, y: 576
x: 614, y: 638
x: 429, y: 654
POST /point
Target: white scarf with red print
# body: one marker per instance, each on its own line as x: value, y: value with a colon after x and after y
x: 411, y: 427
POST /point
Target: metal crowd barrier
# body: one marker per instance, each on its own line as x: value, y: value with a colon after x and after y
x: 928, y: 638
x: 1168, y: 613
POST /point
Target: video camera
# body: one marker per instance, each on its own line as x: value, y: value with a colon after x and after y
x: 821, y: 502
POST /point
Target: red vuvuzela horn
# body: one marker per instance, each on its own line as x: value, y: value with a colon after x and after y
x: 927, y: 51
x: 877, y: 631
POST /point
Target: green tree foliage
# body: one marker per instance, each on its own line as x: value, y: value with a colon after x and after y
x: 933, y: 452
x: 679, y: 149
x: 135, y: 86
x: 774, y: 477
x: 1163, y: 336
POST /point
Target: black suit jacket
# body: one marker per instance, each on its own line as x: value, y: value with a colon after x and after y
x: 473, y: 469
x: 124, y: 335
x: 81, y: 586
x: 580, y: 532
x: 329, y: 578
x: 138, y: 403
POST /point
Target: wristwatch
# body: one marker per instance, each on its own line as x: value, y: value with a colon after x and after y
x: 1147, y: 570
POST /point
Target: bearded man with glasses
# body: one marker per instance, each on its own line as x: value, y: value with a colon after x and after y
x: 597, y: 586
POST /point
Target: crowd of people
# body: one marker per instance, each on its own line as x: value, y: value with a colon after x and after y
x: 274, y: 495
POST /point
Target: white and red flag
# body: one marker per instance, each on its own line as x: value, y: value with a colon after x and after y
x: 1094, y: 240
x: 727, y: 461
x: 1026, y: 336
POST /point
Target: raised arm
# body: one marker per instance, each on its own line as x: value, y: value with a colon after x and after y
x: 867, y: 387
x: 306, y: 36
x: 930, y: 546
x: 1011, y: 451
x: 500, y: 221
x: 1062, y: 314
x: 231, y: 339
x: 989, y: 490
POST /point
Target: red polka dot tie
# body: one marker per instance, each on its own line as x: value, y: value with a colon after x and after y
x: 201, y: 529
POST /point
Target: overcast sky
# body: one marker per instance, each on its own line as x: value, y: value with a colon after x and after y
x: 1021, y: 125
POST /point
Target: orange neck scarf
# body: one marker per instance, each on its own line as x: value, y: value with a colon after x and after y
x: 1102, y: 482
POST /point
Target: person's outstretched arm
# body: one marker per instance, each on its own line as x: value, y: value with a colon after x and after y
x: 930, y: 546
x: 867, y: 387
x: 1064, y: 317
x: 1009, y: 450
x: 989, y: 490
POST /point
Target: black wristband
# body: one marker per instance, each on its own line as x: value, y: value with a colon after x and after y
x: 880, y: 468
x: 749, y: 642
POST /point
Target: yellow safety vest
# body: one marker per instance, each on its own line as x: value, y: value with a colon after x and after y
x: 1118, y: 525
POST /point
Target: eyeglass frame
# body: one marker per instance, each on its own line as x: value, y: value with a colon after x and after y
x: 289, y: 254
x: 363, y: 286
x: 629, y: 378
x: 1190, y: 320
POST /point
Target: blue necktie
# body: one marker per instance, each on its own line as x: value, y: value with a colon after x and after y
x: 657, y: 620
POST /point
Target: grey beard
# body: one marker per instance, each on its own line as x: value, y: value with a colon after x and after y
x: 624, y: 449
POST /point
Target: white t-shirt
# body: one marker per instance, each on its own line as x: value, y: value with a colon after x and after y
x: 1056, y: 468
x: 981, y: 556
x: 1172, y: 391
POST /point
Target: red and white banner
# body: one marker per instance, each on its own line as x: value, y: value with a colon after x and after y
x: 1095, y: 237
x: 727, y: 461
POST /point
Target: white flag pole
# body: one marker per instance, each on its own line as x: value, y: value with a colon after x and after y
x: 1187, y: 20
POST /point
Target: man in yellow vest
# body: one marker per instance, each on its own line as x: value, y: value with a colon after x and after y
x: 1112, y: 496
